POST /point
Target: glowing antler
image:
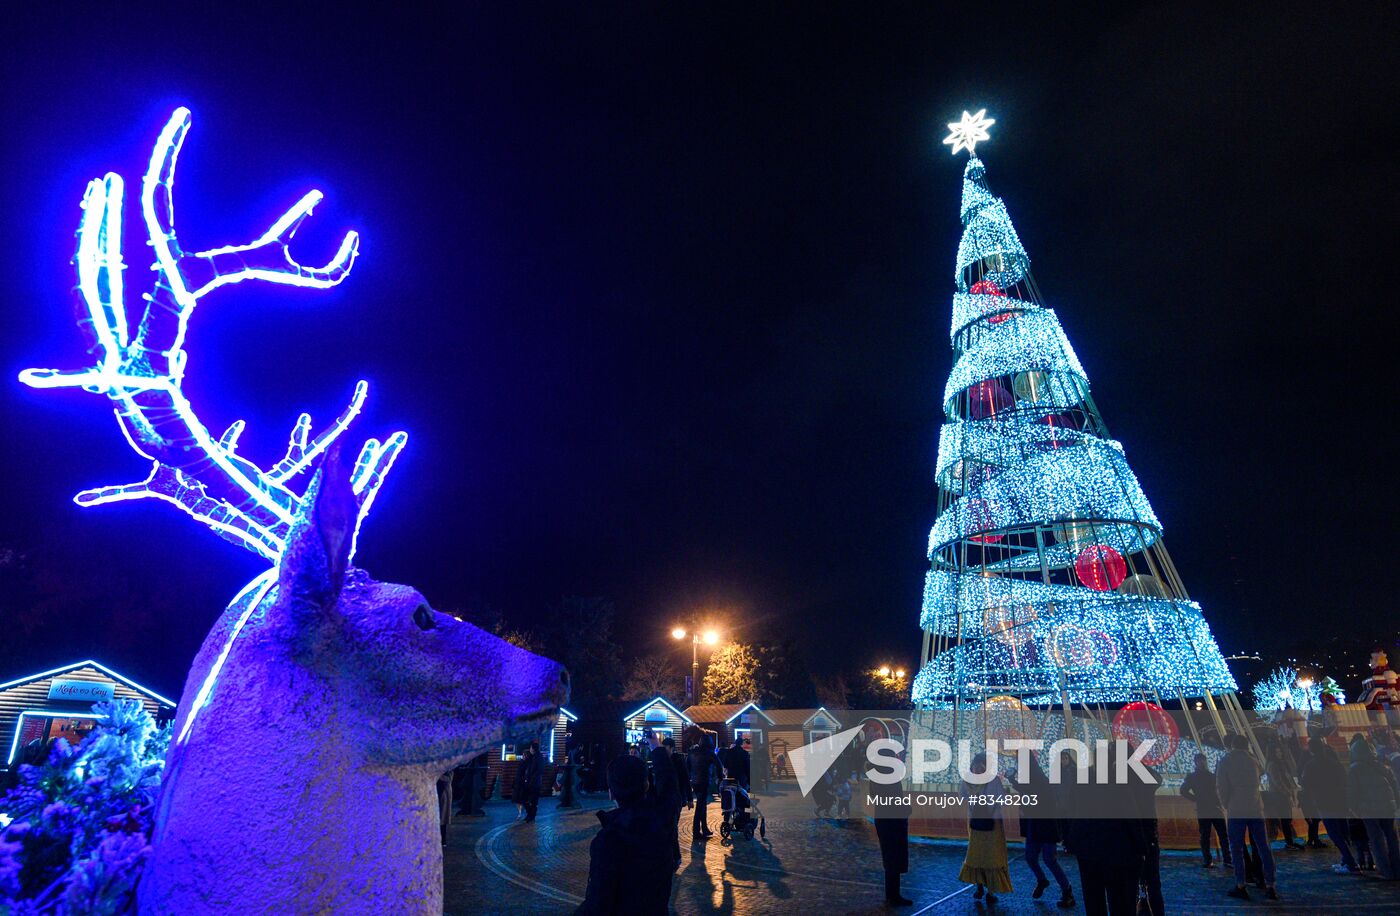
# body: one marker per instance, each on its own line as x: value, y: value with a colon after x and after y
x: 142, y: 373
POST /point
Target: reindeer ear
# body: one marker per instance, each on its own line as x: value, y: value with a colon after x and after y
x: 318, y: 548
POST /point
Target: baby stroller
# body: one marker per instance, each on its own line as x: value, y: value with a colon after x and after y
x: 741, y: 814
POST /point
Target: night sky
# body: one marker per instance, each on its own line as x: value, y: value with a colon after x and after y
x: 662, y: 299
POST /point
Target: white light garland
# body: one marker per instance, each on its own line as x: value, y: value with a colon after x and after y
x: 987, y: 232
x: 1031, y: 340
x: 1031, y: 488
x: 1090, y: 480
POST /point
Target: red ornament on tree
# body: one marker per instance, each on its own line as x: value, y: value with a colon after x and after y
x: 1138, y: 722
x: 988, y: 288
x: 1100, y: 567
x: 979, y: 517
x: 986, y: 399
x: 1056, y: 421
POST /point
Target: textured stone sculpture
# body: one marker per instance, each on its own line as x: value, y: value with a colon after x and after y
x: 306, y: 784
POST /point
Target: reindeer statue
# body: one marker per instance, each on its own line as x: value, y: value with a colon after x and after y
x: 323, y: 704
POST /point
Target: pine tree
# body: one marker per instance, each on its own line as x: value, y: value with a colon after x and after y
x: 1049, y: 581
x: 731, y: 676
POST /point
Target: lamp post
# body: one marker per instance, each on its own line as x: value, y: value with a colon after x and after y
x: 709, y: 638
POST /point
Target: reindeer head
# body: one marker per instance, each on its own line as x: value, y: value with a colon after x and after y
x: 409, y: 672
x: 375, y: 642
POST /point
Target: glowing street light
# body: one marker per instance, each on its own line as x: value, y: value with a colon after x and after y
x: 884, y: 671
x: 709, y: 638
x: 899, y: 673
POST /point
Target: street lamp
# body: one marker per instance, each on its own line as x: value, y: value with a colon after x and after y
x: 709, y: 638
x: 884, y: 671
x: 899, y: 673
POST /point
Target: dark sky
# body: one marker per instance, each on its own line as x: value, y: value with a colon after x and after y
x: 662, y: 297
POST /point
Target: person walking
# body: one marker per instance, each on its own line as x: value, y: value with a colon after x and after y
x: 1041, y: 827
x: 1374, y: 797
x: 1110, y: 847
x: 985, y: 864
x: 526, y: 793
x: 1199, y: 787
x: 1325, y: 785
x: 762, y: 766
x: 678, y: 760
x: 1281, y: 795
x: 444, y: 797
x: 736, y: 762
x: 843, y: 796
x: 703, y: 763
x: 1237, y: 782
x: 1144, y: 796
x: 630, y: 868
x: 663, y: 788
x: 892, y: 832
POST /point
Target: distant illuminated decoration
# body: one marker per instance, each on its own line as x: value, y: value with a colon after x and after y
x: 141, y: 368
x: 970, y: 131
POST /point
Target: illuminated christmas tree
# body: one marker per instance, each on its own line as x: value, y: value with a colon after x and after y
x: 1049, y: 582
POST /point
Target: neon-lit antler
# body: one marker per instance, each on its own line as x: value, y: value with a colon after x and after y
x: 142, y: 373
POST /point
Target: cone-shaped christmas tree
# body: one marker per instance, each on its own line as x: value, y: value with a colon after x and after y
x: 1049, y: 581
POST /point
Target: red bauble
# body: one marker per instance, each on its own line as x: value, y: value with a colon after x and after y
x: 1137, y: 722
x: 986, y: 399
x: 1056, y: 421
x: 1100, y: 567
x: 979, y: 517
x: 988, y: 288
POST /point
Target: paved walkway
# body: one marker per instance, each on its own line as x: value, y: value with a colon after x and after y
x: 816, y: 866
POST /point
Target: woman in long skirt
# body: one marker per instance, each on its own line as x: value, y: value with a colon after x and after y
x: 985, y: 864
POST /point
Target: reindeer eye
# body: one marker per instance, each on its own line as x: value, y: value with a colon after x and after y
x: 423, y: 616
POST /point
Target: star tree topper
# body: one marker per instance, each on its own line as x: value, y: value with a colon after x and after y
x: 967, y: 133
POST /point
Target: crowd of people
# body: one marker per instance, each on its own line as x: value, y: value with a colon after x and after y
x: 1110, y: 827
x: 636, y: 852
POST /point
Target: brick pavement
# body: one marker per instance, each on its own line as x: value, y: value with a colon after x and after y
x: 821, y: 866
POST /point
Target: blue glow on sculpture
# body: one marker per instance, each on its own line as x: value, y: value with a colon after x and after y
x: 142, y: 372
x: 253, y: 593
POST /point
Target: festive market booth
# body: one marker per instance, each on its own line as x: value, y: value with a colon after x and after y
x: 657, y: 714
x: 789, y: 729
x: 501, y: 759
x: 731, y: 720
x: 57, y: 703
